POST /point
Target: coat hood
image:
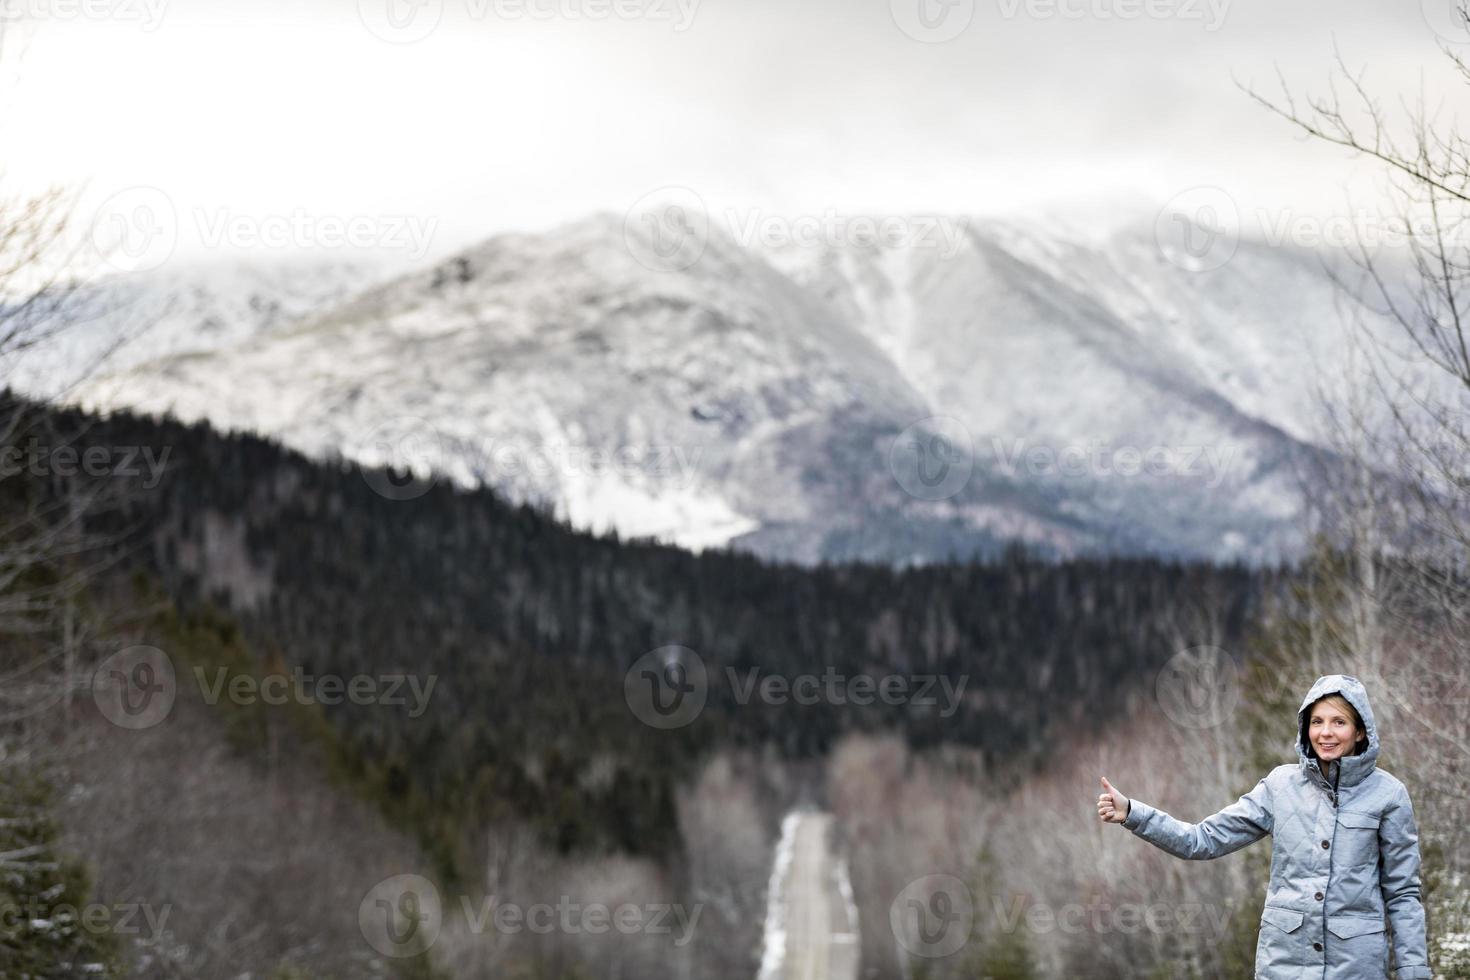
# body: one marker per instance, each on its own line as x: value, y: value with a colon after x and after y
x: 1355, y: 768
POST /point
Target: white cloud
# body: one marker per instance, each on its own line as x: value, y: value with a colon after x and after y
x: 494, y: 122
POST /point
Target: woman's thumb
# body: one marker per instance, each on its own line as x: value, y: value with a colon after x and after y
x: 1107, y: 785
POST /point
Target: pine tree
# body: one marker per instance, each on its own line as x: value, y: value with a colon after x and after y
x: 44, y: 934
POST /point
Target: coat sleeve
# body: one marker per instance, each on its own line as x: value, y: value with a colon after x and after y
x: 1243, y: 822
x: 1398, y: 876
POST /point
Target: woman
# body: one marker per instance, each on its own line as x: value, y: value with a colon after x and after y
x: 1344, y: 848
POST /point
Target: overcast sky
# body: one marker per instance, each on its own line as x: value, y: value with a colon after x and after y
x: 485, y: 115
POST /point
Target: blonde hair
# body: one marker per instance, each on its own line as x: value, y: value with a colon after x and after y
x: 1341, y: 704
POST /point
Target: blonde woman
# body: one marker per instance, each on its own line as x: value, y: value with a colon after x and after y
x: 1344, y: 847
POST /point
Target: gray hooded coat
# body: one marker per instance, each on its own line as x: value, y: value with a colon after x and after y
x: 1342, y: 858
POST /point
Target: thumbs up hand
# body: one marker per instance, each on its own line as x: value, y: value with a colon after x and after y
x: 1112, y: 806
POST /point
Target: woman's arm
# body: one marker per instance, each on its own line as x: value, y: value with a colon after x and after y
x: 1398, y: 843
x: 1243, y: 822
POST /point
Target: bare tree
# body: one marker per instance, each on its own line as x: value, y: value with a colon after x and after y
x: 1400, y: 511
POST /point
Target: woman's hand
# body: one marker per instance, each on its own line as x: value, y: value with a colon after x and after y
x: 1112, y: 806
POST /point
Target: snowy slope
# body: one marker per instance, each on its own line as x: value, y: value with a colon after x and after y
x: 757, y: 397
x: 124, y: 321
x: 1077, y: 349
x: 711, y: 392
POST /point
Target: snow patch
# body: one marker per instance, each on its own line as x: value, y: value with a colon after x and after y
x: 773, y: 953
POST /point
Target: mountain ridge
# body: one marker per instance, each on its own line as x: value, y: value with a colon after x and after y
x: 795, y: 377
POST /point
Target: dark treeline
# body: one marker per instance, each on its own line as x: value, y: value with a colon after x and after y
x: 529, y: 629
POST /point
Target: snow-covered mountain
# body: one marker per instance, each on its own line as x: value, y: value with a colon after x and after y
x: 1057, y: 354
x: 117, y: 323
x: 890, y: 402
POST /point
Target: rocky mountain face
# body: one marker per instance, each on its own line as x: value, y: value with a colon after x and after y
x: 896, y: 402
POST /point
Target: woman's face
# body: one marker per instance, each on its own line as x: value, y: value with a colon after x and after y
x: 1332, y: 733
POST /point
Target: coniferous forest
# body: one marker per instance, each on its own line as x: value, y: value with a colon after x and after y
x: 528, y: 629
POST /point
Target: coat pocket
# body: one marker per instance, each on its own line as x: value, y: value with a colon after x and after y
x: 1278, y: 952
x: 1350, y: 926
x: 1357, y: 838
x: 1287, y: 920
x: 1361, y: 944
